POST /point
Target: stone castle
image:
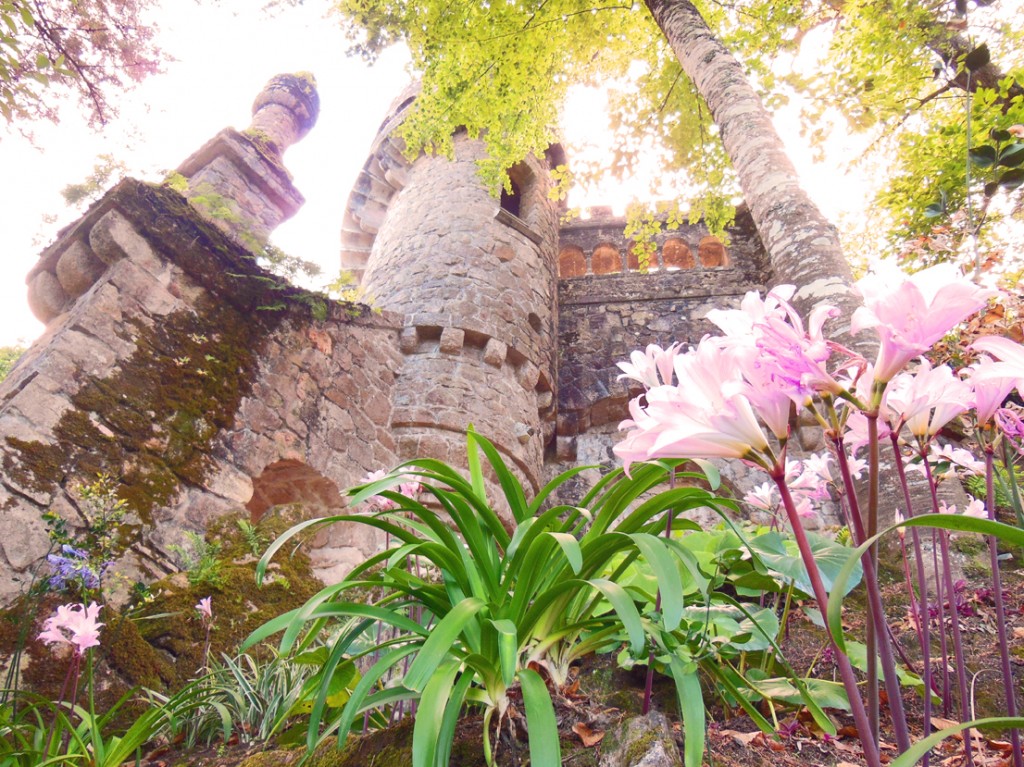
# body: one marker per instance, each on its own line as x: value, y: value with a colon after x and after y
x: 203, y: 384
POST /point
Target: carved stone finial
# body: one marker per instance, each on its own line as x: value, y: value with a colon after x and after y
x: 285, y: 109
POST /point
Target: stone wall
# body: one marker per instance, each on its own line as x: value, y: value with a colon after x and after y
x: 604, y: 317
x: 171, y: 373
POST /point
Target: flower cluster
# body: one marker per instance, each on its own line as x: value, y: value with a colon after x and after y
x: 73, y: 567
x: 728, y: 396
x: 75, y: 625
x: 808, y: 480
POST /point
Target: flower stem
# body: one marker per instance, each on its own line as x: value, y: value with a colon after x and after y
x: 923, y: 619
x: 997, y: 595
x: 947, y: 575
x: 879, y: 648
x: 860, y: 718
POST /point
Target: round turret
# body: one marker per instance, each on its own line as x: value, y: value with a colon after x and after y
x: 476, y: 277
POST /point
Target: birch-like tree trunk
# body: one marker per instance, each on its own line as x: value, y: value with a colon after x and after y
x: 803, y: 246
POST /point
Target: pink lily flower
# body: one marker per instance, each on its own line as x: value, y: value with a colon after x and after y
x: 911, y: 312
x: 992, y: 381
x: 929, y: 399
x: 797, y: 357
x: 703, y: 416
x: 652, y: 367
x: 763, y: 497
x: 976, y: 508
x: 74, y: 625
x: 205, y: 608
x: 738, y: 324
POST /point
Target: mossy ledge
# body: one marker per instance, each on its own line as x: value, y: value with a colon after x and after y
x: 151, y: 423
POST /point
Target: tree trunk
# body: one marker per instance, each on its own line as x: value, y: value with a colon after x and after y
x: 802, y: 245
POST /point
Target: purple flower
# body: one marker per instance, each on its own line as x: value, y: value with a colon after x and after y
x: 72, y: 566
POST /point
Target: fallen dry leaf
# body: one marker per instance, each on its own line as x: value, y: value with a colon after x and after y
x: 744, y: 738
x: 940, y: 723
x: 588, y: 736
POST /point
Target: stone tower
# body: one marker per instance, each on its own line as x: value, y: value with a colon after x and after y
x: 475, y: 277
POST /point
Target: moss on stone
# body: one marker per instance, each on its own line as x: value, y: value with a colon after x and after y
x: 239, y: 604
x: 151, y: 423
x: 134, y: 659
x: 277, y: 758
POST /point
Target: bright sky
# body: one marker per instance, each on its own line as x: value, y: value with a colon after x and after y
x: 225, y: 52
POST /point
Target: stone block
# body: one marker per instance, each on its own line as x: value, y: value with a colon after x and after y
x: 78, y: 269
x: 495, y: 352
x: 23, y: 537
x: 408, y: 340
x: 46, y: 298
x: 113, y: 238
x: 452, y: 340
x: 642, y: 741
x: 565, y: 448
x: 528, y: 374
x: 231, y: 484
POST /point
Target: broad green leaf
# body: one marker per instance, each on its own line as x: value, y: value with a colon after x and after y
x: 826, y: 693
x: 752, y: 631
x: 780, y: 555
x: 983, y: 156
x: 1012, y: 179
x: 1011, y: 156
x: 977, y: 58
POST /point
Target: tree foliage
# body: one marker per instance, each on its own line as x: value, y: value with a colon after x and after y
x: 88, y: 49
x: 8, y: 356
x: 502, y: 70
x: 900, y: 70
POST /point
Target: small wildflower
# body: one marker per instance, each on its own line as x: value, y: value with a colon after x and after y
x: 205, y: 609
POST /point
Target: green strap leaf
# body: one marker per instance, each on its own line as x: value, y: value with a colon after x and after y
x: 691, y: 705
x: 508, y: 649
x: 955, y: 522
x: 571, y: 548
x: 912, y: 755
x: 440, y: 643
x: 625, y: 609
x: 540, y: 721
x: 667, y: 573
x: 430, y: 714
